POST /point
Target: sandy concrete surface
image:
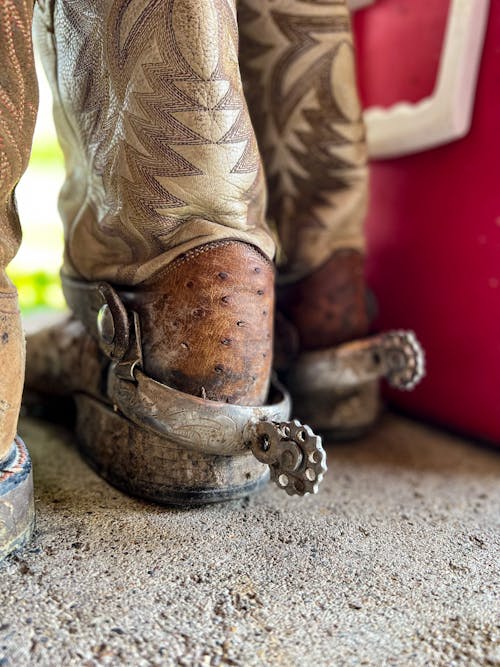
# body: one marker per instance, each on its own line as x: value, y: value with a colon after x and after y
x: 395, y: 562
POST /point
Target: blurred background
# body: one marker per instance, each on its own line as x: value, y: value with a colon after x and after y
x: 35, y: 269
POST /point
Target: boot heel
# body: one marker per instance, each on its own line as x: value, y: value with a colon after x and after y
x: 143, y: 464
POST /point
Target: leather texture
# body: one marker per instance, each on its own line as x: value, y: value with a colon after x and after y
x: 18, y: 106
x: 297, y: 60
x: 330, y: 306
x: 164, y: 174
x: 298, y: 67
x: 160, y: 151
x: 165, y: 193
x: 214, y: 307
x: 206, y: 329
x: 62, y: 359
x: 11, y: 367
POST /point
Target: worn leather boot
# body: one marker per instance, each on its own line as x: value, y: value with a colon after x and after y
x: 298, y: 66
x: 18, y: 106
x: 168, y: 261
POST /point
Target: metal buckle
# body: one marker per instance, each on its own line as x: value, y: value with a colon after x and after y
x: 119, y: 334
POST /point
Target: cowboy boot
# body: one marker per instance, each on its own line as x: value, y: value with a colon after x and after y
x: 18, y: 105
x: 298, y: 65
x: 168, y: 261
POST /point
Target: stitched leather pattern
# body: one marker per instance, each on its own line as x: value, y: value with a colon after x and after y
x: 297, y: 61
x: 160, y: 149
x: 18, y: 105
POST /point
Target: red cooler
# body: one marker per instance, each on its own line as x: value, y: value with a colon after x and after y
x: 429, y: 74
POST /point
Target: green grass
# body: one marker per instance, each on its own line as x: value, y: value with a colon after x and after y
x: 35, y: 269
x: 38, y: 290
x: 46, y: 153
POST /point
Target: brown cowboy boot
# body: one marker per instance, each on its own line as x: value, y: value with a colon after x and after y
x: 18, y: 106
x: 298, y: 65
x: 168, y: 261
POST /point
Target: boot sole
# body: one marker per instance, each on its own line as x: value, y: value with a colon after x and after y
x: 17, y: 508
x: 147, y: 466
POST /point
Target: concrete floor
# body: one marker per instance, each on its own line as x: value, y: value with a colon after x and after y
x: 395, y: 562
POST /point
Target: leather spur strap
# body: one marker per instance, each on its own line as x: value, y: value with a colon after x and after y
x: 99, y: 307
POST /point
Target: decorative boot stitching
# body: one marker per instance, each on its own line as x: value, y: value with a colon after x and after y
x: 201, y: 250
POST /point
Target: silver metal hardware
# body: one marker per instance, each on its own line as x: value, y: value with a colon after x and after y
x: 404, y: 359
x: 395, y: 355
x: 294, y: 454
x: 105, y: 325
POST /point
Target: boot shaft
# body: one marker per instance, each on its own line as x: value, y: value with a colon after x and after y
x: 160, y: 152
x: 298, y: 64
x: 18, y: 105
